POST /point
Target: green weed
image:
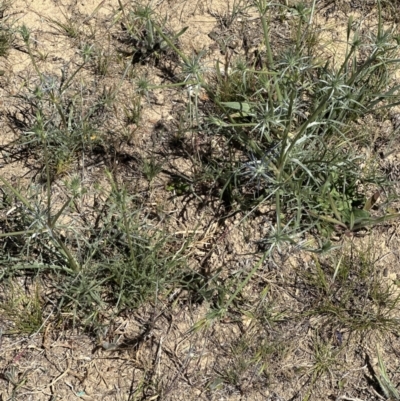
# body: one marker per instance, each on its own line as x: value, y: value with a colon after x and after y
x: 291, y: 126
x: 69, y: 26
x: 350, y: 294
x: 386, y: 384
x: 6, y: 31
x: 25, y: 310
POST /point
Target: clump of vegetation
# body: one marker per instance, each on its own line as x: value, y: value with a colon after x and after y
x: 6, y: 31
x: 142, y: 32
x: 121, y: 259
x: 296, y: 127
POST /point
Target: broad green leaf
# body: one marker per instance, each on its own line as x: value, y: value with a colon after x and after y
x: 242, y: 107
x: 373, y: 221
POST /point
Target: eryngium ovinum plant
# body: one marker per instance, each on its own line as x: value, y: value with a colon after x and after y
x: 298, y: 124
